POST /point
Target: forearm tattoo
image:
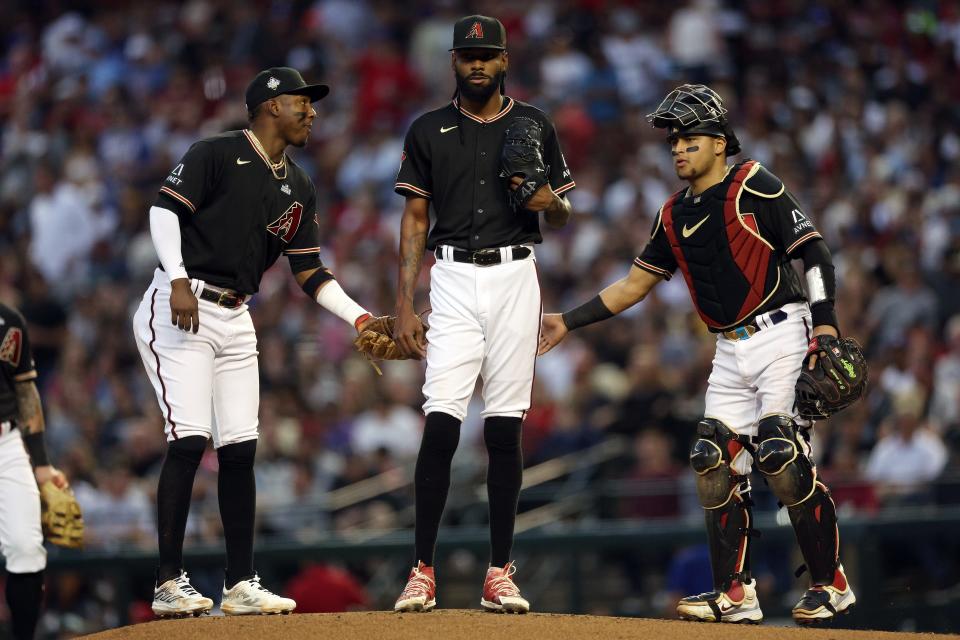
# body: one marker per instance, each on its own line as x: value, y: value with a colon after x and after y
x: 29, y: 407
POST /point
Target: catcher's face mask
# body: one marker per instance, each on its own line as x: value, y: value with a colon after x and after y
x: 694, y: 109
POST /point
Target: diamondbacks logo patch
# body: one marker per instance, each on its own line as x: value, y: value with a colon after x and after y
x: 12, y: 346
x: 285, y: 227
x: 476, y: 31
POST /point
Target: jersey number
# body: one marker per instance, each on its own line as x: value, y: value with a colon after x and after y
x: 285, y: 227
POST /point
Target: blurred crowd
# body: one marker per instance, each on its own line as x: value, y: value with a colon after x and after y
x: 853, y: 105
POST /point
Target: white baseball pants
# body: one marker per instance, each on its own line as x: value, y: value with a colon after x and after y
x: 485, y: 321
x: 207, y: 383
x: 21, y: 538
x: 755, y: 377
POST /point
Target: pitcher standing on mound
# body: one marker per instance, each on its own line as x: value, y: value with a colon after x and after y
x: 484, y: 293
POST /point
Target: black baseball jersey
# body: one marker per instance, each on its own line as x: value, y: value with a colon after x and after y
x: 733, y: 243
x: 16, y: 360
x: 236, y: 216
x: 452, y: 158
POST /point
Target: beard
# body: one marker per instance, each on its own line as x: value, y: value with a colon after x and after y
x: 480, y: 93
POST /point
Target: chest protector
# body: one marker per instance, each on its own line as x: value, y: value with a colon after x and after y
x: 729, y: 267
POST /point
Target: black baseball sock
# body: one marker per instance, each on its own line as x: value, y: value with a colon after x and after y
x: 504, y: 477
x: 173, y: 502
x: 441, y: 435
x: 24, y: 597
x: 237, y: 493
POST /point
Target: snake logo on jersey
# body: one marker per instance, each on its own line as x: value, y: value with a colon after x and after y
x: 287, y: 224
x: 11, y: 346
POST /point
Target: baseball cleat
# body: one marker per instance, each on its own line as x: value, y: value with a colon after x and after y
x: 738, y: 604
x: 822, y: 603
x: 419, y: 596
x: 249, y: 597
x: 500, y: 594
x: 176, y: 598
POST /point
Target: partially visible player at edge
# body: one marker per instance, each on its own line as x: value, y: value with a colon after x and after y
x: 22, y: 446
x: 485, y: 264
x: 733, y: 233
x: 226, y: 212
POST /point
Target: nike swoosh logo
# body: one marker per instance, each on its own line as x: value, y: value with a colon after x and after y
x: 239, y: 161
x: 689, y: 232
x: 763, y: 458
x: 445, y: 129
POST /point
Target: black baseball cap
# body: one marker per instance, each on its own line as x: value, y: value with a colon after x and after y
x: 479, y: 32
x: 276, y: 81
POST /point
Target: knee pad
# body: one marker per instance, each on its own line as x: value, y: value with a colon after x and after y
x: 780, y: 459
x: 710, y: 456
x: 239, y: 454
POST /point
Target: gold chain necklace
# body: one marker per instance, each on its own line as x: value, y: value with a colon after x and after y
x: 274, y: 167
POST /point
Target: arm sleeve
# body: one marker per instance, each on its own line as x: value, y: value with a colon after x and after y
x: 790, y: 226
x: 821, y: 281
x: 304, y: 248
x: 413, y: 178
x: 657, y: 257
x: 190, y: 182
x: 165, y: 233
x: 15, y: 349
x: 561, y: 179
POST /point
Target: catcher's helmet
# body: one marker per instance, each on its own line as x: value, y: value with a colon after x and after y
x: 695, y: 108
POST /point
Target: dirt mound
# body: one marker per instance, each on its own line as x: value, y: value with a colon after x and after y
x: 470, y: 625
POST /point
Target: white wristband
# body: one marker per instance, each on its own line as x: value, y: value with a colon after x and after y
x: 165, y: 232
x: 333, y: 298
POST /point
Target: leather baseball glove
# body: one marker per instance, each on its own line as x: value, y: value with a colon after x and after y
x: 376, y: 341
x: 838, y: 378
x: 60, y: 516
x: 522, y: 155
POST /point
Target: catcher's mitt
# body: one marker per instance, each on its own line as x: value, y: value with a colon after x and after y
x: 376, y: 341
x: 60, y: 517
x: 522, y: 156
x: 837, y: 380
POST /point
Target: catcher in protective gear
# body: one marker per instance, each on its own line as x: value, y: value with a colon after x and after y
x: 522, y: 157
x: 376, y: 341
x: 838, y: 378
x: 61, y: 518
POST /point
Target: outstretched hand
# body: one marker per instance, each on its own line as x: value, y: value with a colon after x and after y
x: 552, y: 332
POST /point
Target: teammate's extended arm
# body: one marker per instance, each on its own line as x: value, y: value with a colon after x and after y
x: 165, y: 233
x: 319, y: 284
x: 413, y: 241
x: 618, y: 297
x: 30, y: 421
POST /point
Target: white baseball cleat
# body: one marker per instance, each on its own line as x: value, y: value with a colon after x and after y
x: 249, y: 597
x: 737, y: 604
x: 176, y: 598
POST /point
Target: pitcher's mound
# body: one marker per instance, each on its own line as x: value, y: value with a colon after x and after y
x: 451, y: 624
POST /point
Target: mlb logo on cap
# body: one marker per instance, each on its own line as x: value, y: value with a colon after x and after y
x: 479, y: 32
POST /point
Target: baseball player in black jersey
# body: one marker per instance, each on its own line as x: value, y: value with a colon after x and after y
x: 21, y: 446
x: 484, y: 294
x: 733, y: 234
x: 224, y: 214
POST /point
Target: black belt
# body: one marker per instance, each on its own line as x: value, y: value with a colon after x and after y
x: 744, y: 331
x: 483, y: 257
x: 226, y: 299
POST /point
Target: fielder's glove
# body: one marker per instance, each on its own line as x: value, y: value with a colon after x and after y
x: 522, y: 156
x: 376, y: 341
x: 837, y: 380
x: 60, y: 516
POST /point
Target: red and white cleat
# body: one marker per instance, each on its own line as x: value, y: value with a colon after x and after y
x: 500, y: 594
x: 420, y: 593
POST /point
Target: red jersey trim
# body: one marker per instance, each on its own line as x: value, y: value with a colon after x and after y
x: 406, y: 186
x: 502, y: 113
x: 565, y: 188
x: 179, y: 198
x: 657, y: 271
x: 801, y: 240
